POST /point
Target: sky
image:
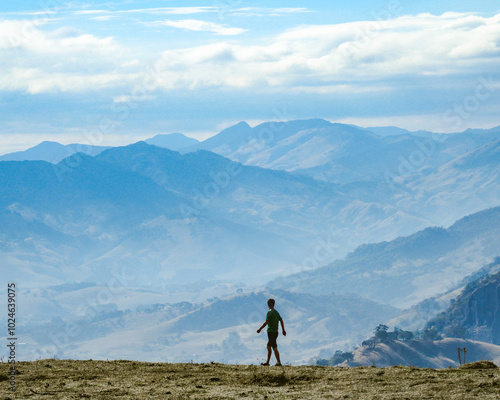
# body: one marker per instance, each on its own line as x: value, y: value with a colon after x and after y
x: 112, y: 73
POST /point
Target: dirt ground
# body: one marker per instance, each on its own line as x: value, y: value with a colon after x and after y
x: 68, y: 379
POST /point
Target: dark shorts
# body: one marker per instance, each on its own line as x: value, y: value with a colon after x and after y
x: 272, y: 336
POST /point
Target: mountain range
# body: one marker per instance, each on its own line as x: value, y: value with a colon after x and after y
x: 334, y: 152
x: 52, y: 152
x: 279, y: 209
x: 218, y: 329
x: 384, y: 166
x: 408, y: 269
x: 342, y: 153
x: 127, y: 204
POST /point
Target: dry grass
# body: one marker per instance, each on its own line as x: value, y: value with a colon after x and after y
x: 67, y: 379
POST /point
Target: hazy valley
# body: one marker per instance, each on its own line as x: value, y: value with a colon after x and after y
x: 178, y: 250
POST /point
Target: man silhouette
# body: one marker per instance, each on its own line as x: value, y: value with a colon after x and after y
x: 273, y: 317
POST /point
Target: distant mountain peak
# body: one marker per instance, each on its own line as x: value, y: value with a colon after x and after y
x: 52, y: 152
x: 230, y: 138
x: 296, y: 125
x: 321, y: 121
x: 241, y: 124
x: 172, y: 141
x: 48, y: 143
x: 140, y: 143
x: 133, y: 150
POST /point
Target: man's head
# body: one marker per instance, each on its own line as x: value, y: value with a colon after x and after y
x: 270, y: 303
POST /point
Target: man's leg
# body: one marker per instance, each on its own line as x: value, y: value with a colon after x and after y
x: 268, y: 354
x: 277, y: 354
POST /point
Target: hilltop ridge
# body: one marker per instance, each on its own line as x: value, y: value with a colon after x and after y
x: 423, y: 353
x: 127, y: 380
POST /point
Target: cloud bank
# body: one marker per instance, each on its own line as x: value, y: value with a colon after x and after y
x: 65, y: 59
x: 345, y: 56
x: 314, y: 58
x: 416, y: 67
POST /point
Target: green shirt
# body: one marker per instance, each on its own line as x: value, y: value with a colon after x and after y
x: 273, y: 317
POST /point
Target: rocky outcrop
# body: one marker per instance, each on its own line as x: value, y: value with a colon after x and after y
x: 423, y: 353
x: 482, y: 311
x: 475, y: 314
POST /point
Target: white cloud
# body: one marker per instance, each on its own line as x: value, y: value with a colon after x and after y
x: 202, y: 26
x: 132, y: 99
x: 31, y: 13
x: 84, y: 12
x: 103, y: 18
x: 65, y: 59
x: 343, y: 58
x: 343, y: 55
x: 35, y: 80
x: 28, y: 36
x: 222, y: 8
x: 174, y: 10
x: 264, y: 11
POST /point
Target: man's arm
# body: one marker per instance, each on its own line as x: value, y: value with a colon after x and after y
x: 283, y: 327
x: 262, y: 327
